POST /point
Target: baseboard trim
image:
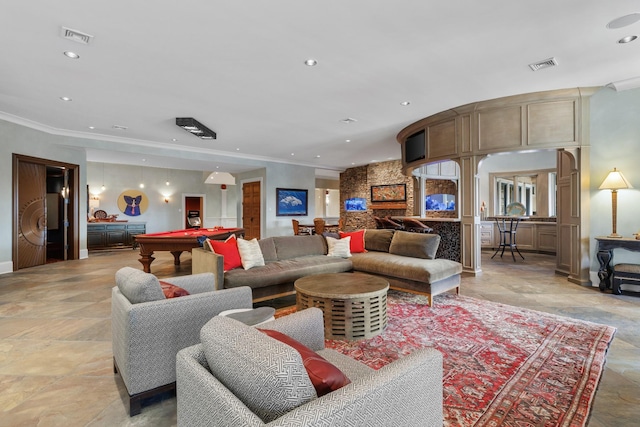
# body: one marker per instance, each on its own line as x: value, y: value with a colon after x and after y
x: 6, y: 267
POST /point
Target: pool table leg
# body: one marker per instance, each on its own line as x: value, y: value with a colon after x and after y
x: 146, y: 259
x: 176, y: 257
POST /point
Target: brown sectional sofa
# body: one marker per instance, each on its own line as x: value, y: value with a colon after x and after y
x: 405, y: 259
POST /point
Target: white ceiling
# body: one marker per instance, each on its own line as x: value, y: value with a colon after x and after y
x: 238, y: 67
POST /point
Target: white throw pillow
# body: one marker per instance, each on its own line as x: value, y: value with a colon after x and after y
x: 339, y: 247
x: 250, y: 253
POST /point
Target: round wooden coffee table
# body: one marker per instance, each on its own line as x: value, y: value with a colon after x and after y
x: 354, y: 304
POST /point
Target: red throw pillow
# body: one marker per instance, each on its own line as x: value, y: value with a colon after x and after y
x: 324, y: 376
x: 229, y: 251
x: 357, y: 240
x: 172, y: 291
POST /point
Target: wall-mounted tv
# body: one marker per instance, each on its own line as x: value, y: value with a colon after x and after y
x: 355, y: 204
x: 415, y: 147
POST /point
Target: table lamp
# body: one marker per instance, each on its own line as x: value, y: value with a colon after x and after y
x: 614, y: 181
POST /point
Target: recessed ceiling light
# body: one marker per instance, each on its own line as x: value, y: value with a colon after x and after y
x: 238, y: 149
x: 293, y: 154
x: 317, y: 156
x: 405, y: 103
x: 311, y: 62
x: 174, y: 139
x: 623, y: 21
x: 347, y: 140
x: 65, y: 98
x: 71, y: 55
x: 92, y: 127
x: 627, y: 39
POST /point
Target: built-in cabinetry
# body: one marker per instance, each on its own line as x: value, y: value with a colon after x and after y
x: 530, y: 236
x: 440, y: 170
x: 486, y: 234
x: 105, y: 235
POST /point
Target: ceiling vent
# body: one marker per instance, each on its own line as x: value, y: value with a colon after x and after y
x: 348, y: 120
x: 551, y: 62
x: 75, y: 35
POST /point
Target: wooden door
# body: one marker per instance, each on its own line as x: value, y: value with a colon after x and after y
x: 32, y: 219
x: 567, y: 213
x: 251, y: 209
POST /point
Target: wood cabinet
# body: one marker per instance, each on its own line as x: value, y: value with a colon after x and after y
x: 530, y: 236
x: 547, y: 237
x: 486, y: 234
x: 106, y: 235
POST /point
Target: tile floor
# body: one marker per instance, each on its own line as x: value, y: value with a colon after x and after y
x: 55, y: 347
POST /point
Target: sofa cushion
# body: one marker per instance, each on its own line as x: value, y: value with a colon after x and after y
x: 250, y: 253
x: 172, y: 291
x: 415, y: 245
x: 268, y: 249
x: 138, y: 286
x: 286, y: 271
x: 229, y: 251
x: 267, y: 375
x: 403, y: 267
x: 288, y: 247
x: 339, y: 247
x: 357, y: 240
x: 324, y: 376
x: 378, y: 240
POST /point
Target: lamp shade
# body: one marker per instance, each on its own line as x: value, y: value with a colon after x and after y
x: 615, y: 181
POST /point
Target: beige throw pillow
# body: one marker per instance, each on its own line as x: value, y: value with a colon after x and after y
x: 250, y: 253
x: 339, y: 247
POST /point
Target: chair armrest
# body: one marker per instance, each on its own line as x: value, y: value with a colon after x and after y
x: 195, y: 283
x: 407, y: 392
x: 147, y: 336
x: 306, y: 326
x: 203, y: 261
x: 202, y: 399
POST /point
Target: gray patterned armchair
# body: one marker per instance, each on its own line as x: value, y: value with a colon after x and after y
x: 259, y: 381
x: 148, y: 330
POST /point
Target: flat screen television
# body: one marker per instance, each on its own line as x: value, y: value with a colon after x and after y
x: 355, y: 204
x: 415, y: 147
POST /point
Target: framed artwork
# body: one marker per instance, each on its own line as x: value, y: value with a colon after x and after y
x: 133, y: 202
x: 291, y: 202
x: 389, y: 193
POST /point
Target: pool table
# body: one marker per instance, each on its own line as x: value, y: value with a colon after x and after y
x: 178, y: 241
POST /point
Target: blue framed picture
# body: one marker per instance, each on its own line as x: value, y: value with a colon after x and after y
x: 291, y: 202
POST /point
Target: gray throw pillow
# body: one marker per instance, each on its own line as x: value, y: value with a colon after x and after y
x: 267, y: 375
x: 416, y: 245
x: 378, y: 240
x: 138, y: 286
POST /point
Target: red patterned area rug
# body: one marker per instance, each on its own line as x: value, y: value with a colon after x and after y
x: 503, y: 365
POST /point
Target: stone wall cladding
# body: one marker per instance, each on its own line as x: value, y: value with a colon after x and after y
x: 357, y: 182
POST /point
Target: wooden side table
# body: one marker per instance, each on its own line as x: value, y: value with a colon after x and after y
x: 354, y: 304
